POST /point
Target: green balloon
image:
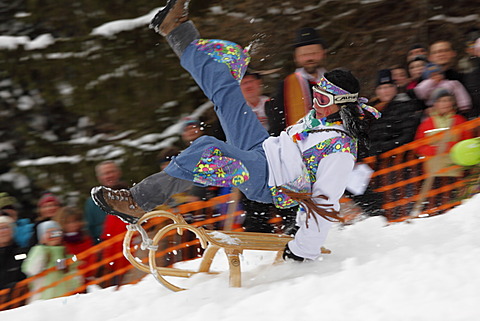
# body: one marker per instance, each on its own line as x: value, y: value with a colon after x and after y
x: 466, y: 152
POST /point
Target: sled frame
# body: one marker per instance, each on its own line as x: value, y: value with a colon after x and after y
x: 233, y: 243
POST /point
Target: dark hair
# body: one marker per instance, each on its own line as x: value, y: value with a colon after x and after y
x: 354, y: 122
x: 343, y: 79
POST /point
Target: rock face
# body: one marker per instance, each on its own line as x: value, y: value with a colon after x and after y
x: 79, y: 96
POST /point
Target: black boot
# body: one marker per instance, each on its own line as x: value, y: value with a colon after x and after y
x: 289, y: 256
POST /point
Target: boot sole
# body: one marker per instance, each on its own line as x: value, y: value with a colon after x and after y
x: 161, y: 17
x: 98, y: 199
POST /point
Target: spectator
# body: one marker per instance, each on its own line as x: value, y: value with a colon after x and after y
x: 400, y: 116
x: 11, y: 255
x: 75, y: 239
x: 400, y: 77
x: 294, y: 97
x: 111, y: 229
x: 252, y: 87
x: 23, y: 226
x: 396, y: 127
x: 47, y: 207
x: 472, y: 81
x: 48, y: 253
x: 192, y: 129
x: 435, y: 78
x: 108, y: 173
x: 443, y: 55
x: 442, y: 118
x: 258, y: 215
x: 415, y: 51
x: 465, y: 64
x: 416, y: 67
x: 166, y: 155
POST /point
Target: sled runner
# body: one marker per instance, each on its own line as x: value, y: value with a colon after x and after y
x: 232, y: 242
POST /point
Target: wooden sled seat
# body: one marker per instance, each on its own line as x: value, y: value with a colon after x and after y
x: 232, y: 242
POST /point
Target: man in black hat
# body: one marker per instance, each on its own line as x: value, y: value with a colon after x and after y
x: 294, y: 97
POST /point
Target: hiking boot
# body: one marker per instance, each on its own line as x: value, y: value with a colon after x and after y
x: 171, y: 16
x: 289, y: 256
x: 117, y: 202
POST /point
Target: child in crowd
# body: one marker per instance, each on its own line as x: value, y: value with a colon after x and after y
x: 50, y: 252
x: 442, y: 118
x: 434, y: 78
x: 75, y: 239
x: 47, y: 207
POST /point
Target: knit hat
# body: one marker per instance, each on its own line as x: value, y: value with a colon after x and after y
x: 47, y: 198
x: 4, y: 219
x: 43, y: 227
x: 384, y: 77
x: 7, y: 200
x: 431, y: 68
x: 439, y: 93
x: 308, y: 36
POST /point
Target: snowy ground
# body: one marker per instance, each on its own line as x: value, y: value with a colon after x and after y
x: 427, y: 270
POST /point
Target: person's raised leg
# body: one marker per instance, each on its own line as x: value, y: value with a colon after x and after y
x: 217, y: 66
x: 220, y: 83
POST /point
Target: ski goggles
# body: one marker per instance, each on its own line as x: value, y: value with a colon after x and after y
x: 323, y: 98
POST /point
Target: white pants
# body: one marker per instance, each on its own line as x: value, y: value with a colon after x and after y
x: 308, y: 241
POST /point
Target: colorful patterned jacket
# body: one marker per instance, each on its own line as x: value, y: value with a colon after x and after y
x: 306, y: 159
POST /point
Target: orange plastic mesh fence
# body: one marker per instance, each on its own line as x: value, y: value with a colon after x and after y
x: 401, y: 180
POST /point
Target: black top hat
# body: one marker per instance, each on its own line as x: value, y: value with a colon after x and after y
x: 308, y: 36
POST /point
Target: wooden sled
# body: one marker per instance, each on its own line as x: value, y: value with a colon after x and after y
x: 232, y: 242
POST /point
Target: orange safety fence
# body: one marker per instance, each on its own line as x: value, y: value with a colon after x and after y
x: 403, y: 184
x: 398, y: 178
x: 19, y: 294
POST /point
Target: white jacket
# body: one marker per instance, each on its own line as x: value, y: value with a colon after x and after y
x: 289, y: 167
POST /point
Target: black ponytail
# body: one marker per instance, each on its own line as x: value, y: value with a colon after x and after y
x: 355, y: 121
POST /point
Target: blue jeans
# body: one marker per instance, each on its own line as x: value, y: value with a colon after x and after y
x: 243, y: 131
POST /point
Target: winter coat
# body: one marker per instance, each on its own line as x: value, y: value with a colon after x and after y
x: 11, y: 259
x: 396, y: 127
x: 433, y: 125
x: 95, y: 218
x: 42, y: 257
x: 77, y: 243
x: 23, y: 232
x: 472, y: 84
x: 425, y: 89
x: 303, y: 159
x: 112, y: 227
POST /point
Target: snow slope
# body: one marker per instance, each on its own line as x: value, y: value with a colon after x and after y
x: 425, y: 270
